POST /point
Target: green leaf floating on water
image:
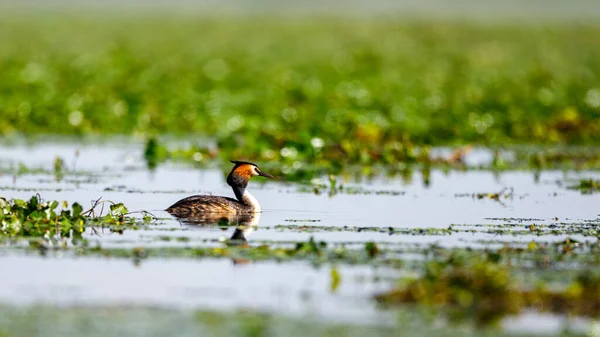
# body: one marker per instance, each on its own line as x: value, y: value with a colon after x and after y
x: 118, y: 209
x: 77, y: 209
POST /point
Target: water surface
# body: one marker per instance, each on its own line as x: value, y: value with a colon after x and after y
x: 117, y: 172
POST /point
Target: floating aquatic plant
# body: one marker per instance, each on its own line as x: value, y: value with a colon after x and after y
x: 485, y: 289
x: 37, y: 218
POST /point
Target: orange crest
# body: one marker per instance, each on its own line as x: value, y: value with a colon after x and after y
x: 245, y: 171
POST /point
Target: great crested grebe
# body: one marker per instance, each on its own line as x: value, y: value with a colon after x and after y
x: 205, y: 206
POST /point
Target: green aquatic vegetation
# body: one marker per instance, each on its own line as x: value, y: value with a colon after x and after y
x: 558, y: 258
x: 505, y: 193
x: 154, y: 153
x: 117, y: 214
x: 567, y: 255
x: 299, y: 90
x: 574, y: 158
x: 311, y: 246
x: 372, y: 249
x: 59, y: 168
x: 302, y: 220
x: 59, y: 171
x: 37, y: 189
x: 473, y: 288
x: 486, y: 290
x: 315, y: 252
x: 331, y: 177
x: 20, y: 169
x: 314, y: 168
x: 295, y: 169
x: 335, y: 187
x: 151, y: 153
x: 587, y: 186
x: 515, y: 219
x: 533, y: 230
x: 372, y: 229
x: 36, y: 218
x: 526, y: 227
x: 551, y: 260
x: 141, y: 320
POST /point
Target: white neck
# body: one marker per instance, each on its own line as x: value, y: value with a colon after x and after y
x: 249, y: 200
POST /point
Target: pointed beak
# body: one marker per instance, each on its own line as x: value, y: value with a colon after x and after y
x: 263, y: 174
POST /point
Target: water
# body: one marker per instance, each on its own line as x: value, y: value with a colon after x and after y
x: 190, y: 284
x: 117, y: 172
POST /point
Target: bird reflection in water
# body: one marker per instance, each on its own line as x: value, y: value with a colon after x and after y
x: 244, y: 224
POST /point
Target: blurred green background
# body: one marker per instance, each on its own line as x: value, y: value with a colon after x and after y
x: 277, y: 79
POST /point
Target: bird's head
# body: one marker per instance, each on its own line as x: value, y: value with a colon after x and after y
x: 241, y: 173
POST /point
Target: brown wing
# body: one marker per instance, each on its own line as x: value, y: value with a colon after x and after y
x: 204, y: 205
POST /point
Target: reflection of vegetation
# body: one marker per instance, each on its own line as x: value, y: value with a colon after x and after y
x: 485, y: 289
x: 587, y: 186
x: 151, y: 153
x: 59, y: 168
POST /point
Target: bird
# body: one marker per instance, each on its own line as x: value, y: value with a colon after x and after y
x: 210, y: 208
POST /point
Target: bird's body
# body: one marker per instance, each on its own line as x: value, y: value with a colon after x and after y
x: 199, y: 205
x: 209, y: 206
